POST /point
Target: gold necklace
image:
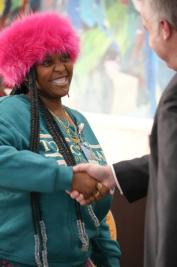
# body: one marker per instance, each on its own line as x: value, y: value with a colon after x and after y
x: 75, y: 139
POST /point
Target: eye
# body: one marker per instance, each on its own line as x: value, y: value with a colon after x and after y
x: 65, y: 57
x: 47, y: 62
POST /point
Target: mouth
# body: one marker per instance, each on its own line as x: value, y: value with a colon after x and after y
x: 60, y: 81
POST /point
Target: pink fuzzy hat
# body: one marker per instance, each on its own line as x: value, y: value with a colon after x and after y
x: 28, y: 39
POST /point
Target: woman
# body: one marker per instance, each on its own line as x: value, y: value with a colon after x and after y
x: 40, y: 141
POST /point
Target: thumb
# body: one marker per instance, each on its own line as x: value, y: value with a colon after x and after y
x: 80, y: 167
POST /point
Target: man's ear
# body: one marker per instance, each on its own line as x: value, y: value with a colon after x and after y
x: 166, y: 29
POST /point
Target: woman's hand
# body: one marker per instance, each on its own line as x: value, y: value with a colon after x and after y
x: 85, y: 189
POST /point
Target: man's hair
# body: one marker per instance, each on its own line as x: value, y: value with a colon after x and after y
x: 166, y: 9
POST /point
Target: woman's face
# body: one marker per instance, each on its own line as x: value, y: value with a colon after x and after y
x: 54, y: 76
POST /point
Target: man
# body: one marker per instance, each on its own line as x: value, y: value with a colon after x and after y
x: 159, y: 169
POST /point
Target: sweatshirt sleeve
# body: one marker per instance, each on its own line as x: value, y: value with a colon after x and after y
x: 28, y: 171
x: 106, y: 252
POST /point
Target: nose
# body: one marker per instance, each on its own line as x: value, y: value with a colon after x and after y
x: 59, y: 66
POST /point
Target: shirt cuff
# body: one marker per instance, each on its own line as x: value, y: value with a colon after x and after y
x: 116, y: 180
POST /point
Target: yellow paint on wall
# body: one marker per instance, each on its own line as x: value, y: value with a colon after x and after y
x: 2, y: 5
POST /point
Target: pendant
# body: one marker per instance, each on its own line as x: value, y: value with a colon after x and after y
x: 67, y: 131
x: 75, y: 140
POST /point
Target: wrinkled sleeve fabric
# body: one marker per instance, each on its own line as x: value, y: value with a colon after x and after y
x: 133, y: 177
x: 106, y: 252
x: 27, y: 171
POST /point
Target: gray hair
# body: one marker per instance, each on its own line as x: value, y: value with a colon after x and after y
x: 166, y: 9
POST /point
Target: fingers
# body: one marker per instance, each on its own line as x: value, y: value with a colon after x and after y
x: 101, y: 192
x: 80, y: 198
x: 99, y: 186
x: 80, y: 167
x: 74, y: 194
x: 87, y: 201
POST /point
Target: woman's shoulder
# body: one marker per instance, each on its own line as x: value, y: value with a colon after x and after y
x: 14, y: 106
x: 14, y: 101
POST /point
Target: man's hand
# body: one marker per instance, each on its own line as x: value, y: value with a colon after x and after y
x: 86, y: 189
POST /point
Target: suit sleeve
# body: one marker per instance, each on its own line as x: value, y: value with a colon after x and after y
x: 133, y: 177
x: 106, y: 252
x: 167, y: 180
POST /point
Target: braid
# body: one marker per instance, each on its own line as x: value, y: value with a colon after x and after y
x: 39, y: 226
x: 22, y: 89
x: 57, y: 135
x: 34, y: 139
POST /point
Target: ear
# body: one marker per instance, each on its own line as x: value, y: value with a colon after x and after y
x: 166, y: 29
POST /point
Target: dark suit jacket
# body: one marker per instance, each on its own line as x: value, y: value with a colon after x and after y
x: 159, y: 169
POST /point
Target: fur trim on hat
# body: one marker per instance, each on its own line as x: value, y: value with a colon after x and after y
x: 28, y: 39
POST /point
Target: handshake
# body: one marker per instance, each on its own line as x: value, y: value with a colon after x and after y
x: 91, y: 182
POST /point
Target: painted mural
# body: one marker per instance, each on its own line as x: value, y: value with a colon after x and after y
x: 117, y: 72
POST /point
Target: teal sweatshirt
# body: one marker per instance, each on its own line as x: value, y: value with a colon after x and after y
x: 22, y: 172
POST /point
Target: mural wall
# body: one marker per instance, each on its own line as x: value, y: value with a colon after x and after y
x: 117, y: 72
